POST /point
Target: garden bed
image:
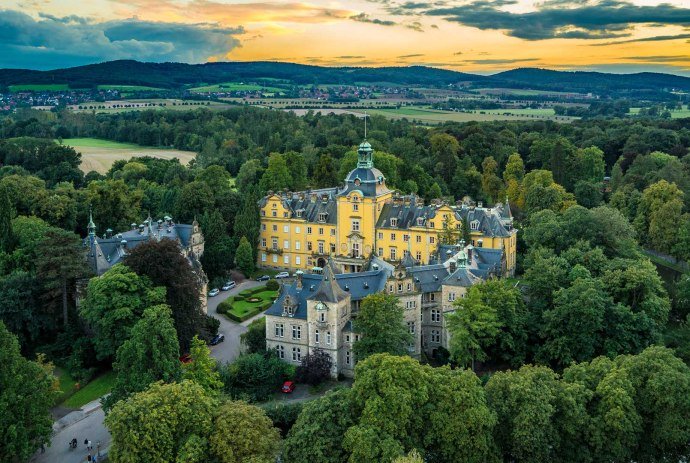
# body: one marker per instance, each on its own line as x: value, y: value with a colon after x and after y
x: 247, y: 303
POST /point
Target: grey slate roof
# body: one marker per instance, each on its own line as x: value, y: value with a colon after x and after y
x: 328, y: 290
x: 429, y: 277
x: 370, y: 182
x: 309, y: 204
x: 461, y: 277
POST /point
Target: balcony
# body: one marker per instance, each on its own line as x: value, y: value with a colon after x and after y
x: 321, y: 324
x: 274, y: 250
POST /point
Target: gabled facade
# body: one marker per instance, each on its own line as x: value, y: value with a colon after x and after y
x: 301, y: 230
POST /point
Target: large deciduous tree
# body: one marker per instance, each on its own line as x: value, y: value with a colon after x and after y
x: 150, y: 354
x: 114, y: 302
x: 380, y: 324
x: 163, y: 263
x: 27, y: 392
x: 6, y: 215
x: 315, y: 367
x: 202, y: 369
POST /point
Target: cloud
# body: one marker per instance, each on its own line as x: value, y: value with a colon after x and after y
x: 350, y: 57
x: 457, y: 53
x: 415, y: 26
x: 660, y: 58
x: 499, y: 60
x: 580, y: 19
x: 656, y: 38
x: 50, y: 42
x: 414, y: 55
x: 364, y: 18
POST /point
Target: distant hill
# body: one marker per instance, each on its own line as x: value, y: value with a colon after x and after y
x: 580, y: 81
x: 176, y: 75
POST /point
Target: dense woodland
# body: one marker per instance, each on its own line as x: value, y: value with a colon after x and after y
x: 590, y: 309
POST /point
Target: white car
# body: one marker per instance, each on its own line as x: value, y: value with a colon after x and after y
x: 214, y: 292
x: 282, y: 275
x: 229, y: 285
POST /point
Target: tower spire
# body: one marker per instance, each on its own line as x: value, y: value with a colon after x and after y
x: 365, y: 125
x: 91, y: 226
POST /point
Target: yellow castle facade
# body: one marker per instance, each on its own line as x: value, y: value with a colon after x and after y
x: 301, y: 230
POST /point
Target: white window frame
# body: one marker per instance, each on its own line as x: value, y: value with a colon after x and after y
x: 279, y: 330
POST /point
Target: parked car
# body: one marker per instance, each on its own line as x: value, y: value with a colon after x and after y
x: 217, y: 339
x: 214, y: 292
x: 288, y: 387
x: 186, y: 358
x: 229, y: 285
x: 263, y: 278
x: 282, y: 275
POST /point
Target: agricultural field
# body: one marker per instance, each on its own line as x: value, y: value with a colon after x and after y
x: 235, y: 87
x: 99, y: 155
x: 675, y: 114
x: 433, y: 116
x: 38, y: 87
x: 127, y: 88
x: 119, y: 106
x: 526, y: 92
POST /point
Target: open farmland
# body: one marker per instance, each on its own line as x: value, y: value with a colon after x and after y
x: 39, y: 88
x: 433, y: 116
x: 119, y: 106
x: 235, y: 87
x: 127, y: 88
x: 99, y: 155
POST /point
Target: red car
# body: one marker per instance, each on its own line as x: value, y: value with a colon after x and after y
x: 288, y: 387
x: 186, y: 358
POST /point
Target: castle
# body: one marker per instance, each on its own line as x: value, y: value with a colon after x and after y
x: 104, y: 252
x: 351, y: 241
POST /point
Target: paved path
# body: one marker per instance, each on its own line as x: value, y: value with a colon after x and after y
x: 87, y: 423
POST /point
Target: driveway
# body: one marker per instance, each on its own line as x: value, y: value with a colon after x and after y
x: 229, y: 350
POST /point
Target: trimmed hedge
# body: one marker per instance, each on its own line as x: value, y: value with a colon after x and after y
x: 246, y: 292
x: 225, y: 306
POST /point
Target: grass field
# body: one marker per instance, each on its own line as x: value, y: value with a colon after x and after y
x: 433, y: 116
x: 522, y: 92
x: 676, y: 114
x: 38, y: 87
x: 99, y: 155
x: 126, y: 88
x: 138, y: 104
x: 94, y: 389
x: 235, y: 87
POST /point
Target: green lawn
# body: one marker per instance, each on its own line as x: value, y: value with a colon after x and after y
x: 98, y: 143
x: 96, y: 388
x: 38, y: 87
x: 66, y: 381
x: 241, y: 310
x: 234, y: 87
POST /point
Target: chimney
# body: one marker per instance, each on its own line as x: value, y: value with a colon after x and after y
x: 452, y: 267
x: 141, y: 229
x: 109, y: 233
x: 133, y: 226
x: 469, y: 254
x: 313, y: 197
x: 298, y: 284
x: 480, y: 204
x: 406, y: 201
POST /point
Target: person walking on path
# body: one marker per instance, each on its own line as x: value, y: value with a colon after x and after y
x: 89, y: 446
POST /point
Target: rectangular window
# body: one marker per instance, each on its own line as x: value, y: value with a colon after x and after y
x: 409, y: 286
x: 263, y: 242
x: 419, y: 238
x: 355, y: 207
x: 400, y: 287
x: 328, y: 338
x: 418, y: 256
x: 392, y: 236
x: 432, y: 240
x: 320, y: 230
x: 298, y: 260
x: 348, y: 358
x: 355, y: 249
x: 410, y: 327
x: 451, y: 297
x: 286, y: 244
x: 380, y: 251
x: 298, y: 230
x: 436, y: 336
x: 281, y: 352
x: 298, y: 245
x: 263, y: 227
x: 435, y: 315
x: 394, y: 222
x: 431, y: 224
x: 275, y: 228
x: 332, y: 231
x: 320, y: 247
x: 274, y: 243
x: 275, y: 259
x: 263, y: 213
x: 286, y: 259
x: 296, y: 354
x: 394, y: 254
x: 406, y: 238
x: 296, y: 332
x: 308, y: 230
x: 347, y: 338
x: 322, y: 216
x: 332, y: 248
x: 263, y: 257
x: 286, y: 228
x: 309, y: 246
x: 355, y: 225
x: 274, y: 213
x: 380, y: 235
x: 317, y: 338
x: 280, y: 330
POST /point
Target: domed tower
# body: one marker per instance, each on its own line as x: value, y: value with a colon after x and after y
x: 359, y: 205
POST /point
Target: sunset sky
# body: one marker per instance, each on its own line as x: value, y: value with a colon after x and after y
x: 472, y: 35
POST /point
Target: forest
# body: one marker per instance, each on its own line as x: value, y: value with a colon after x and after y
x: 591, y: 325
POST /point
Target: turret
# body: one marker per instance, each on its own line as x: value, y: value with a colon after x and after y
x: 365, y: 159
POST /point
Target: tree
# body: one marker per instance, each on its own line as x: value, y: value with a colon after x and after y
x: 591, y: 164
x: 444, y: 151
x: 60, y: 262
x: 202, y: 369
x: 114, y: 204
x: 194, y: 199
x: 380, y: 322
x: 114, y: 302
x: 325, y: 172
x: 254, y: 339
x: 682, y: 247
x: 435, y: 191
x: 664, y: 224
x: 150, y: 354
x: 249, y: 174
x: 247, y: 222
x: 255, y: 377
x: 244, y: 258
x: 588, y: 194
x: 472, y: 327
x: 449, y: 234
x: 27, y: 392
x: 298, y: 170
x: 314, y: 368
x: 6, y: 215
x: 491, y: 182
x: 317, y: 435
x: 277, y: 175
x: 653, y: 199
x: 243, y: 433
x: 511, y: 341
x: 412, y: 457
x: 515, y: 169
x: 537, y: 415
x: 160, y: 423
x: 163, y: 263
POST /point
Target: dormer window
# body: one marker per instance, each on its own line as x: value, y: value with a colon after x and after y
x: 299, y: 212
x: 322, y: 216
x: 420, y: 221
x: 474, y: 225
x: 394, y: 222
